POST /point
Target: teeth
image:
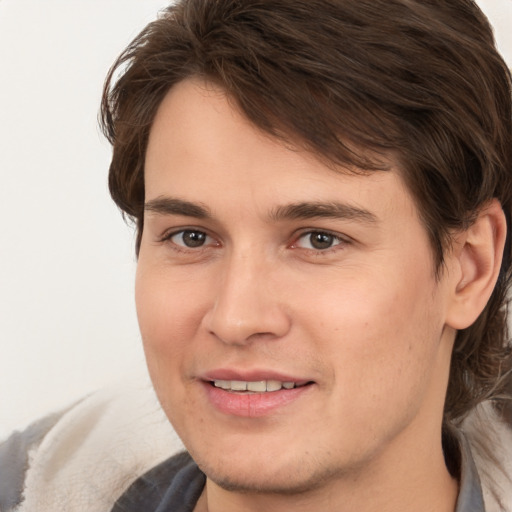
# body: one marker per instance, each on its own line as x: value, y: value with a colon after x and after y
x: 260, y: 386
x: 238, y: 385
x: 274, y: 385
x: 257, y: 387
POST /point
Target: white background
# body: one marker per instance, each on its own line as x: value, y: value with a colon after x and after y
x: 67, y: 318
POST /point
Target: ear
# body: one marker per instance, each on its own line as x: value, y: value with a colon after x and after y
x: 475, y: 265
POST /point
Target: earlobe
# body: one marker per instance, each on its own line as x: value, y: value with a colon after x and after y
x: 477, y: 255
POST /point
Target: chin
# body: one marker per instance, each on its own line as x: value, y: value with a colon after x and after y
x: 269, y: 477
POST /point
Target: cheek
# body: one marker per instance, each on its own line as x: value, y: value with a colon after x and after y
x: 168, y: 315
x: 381, y: 334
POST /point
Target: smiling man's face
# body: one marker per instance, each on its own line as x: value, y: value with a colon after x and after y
x: 294, y: 329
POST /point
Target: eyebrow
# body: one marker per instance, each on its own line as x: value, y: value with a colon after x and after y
x: 173, y: 206
x: 320, y: 210
x: 295, y: 211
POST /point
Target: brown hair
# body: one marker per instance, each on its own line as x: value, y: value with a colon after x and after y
x: 417, y: 79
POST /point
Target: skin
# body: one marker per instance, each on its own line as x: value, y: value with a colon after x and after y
x: 364, y: 320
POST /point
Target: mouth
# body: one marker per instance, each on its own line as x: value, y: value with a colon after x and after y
x: 259, y: 386
x: 233, y: 396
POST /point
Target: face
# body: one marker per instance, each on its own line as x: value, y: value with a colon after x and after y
x: 292, y: 322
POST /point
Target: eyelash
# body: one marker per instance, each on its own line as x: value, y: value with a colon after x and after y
x: 167, y: 237
x: 335, y: 239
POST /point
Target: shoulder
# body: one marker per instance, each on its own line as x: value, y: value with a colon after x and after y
x: 14, y: 458
x: 490, y: 439
x: 89, y: 455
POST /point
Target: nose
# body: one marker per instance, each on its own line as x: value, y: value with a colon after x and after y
x: 247, y: 305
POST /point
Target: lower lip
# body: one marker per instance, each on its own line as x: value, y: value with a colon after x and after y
x: 252, y: 405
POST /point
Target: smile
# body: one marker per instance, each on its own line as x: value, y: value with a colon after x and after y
x: 254, y: 398
x: 260, y: 386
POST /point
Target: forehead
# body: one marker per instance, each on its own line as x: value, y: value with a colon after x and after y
x: 199, y: 136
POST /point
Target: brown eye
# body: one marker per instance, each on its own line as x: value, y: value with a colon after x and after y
x: 321, y: 240
x: 190, y: 238
x: 318, y: 240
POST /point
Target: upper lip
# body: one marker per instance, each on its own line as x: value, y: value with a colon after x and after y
x: 251, y: 375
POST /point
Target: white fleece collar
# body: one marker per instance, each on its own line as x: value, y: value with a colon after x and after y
x: 491, y: 446
x: 97, y: 450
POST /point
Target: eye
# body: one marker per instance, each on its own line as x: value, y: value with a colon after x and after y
x: 317, y: 240
x: 190, y: 238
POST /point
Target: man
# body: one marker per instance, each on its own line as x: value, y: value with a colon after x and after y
x: 321, y: 191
